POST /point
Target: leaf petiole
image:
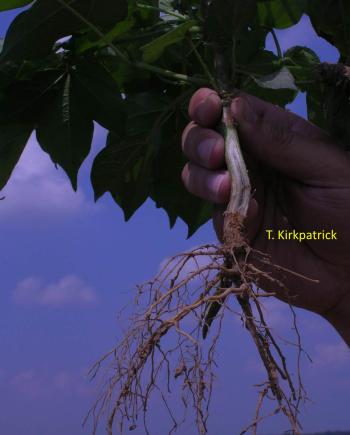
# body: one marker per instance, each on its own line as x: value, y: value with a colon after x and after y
x: 163, y: 10
x: 140, y: 65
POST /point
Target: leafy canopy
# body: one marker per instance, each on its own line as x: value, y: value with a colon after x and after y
x: 131, y: 66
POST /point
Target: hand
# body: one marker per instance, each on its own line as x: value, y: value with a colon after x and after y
x: 300, y: 181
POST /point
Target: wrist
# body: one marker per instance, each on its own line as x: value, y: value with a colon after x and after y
x: 339, y: 318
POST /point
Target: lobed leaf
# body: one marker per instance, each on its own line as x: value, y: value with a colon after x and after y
x: 33, y: 32
x: 65, y: 132
x: 332, y: 22
x: 269, y: 79
x: 302, y: 62
x: 228, y: 18
x: 136, y: 19
x: 13, y: 139
x: 24, y: 98
x: 281, y: 79
x: 280, y: 14
x: 154, y: 50
x: 334, y: 100
x: 124, y: 167
x: 168, y: 191
x: 146, y: 161
x: 98, y: 95
x: 6, y: 5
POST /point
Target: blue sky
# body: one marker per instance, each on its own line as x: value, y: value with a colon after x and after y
x: 69, y: 265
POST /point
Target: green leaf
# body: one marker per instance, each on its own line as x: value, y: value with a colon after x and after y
x: 24, y: 100
x: 178, y: 203
x: 268, y: 79
x: 129, y: 80
x: 301, y: 56
x: 168, y: 191
x: 335, y: 85
x: 155, y: 49
x: 281, y: 97
x: 124, y: 167
x: 147, y: 161
x: 315, y: 106
x: 281, y: 79
x: 143, y: 111
x: 22, y: 103
x: 26, y: 71
x: 263, y: 63
x: 250, y: 43
x: 136, y: 19
x: 280, y: 14
x: 228, y: 18
x: 33, y: 32
x: 331, y: 21
x: 13, y: 139
x: 65, y: 132
x: 13, y: 4
x: 99, y: 96
x: 90, y: 40
x: 302, y: 62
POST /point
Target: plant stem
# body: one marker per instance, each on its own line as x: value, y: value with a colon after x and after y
x: 163, y: 10
x: 146, y: 35
x: 240, y: 183
x: 204, y: 66
x: 140, y: 65
x: 277, y: 44
x: 234, y: 60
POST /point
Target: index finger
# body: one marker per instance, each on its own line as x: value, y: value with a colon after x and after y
x: 205, y: 107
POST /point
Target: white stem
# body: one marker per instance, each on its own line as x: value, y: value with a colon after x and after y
x: 240, y: 183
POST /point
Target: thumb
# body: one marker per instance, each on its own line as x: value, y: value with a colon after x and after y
x: 288, y: 143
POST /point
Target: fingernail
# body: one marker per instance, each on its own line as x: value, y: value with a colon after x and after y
x: 205, y: 150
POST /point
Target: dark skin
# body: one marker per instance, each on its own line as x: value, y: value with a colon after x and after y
x: 300, y: 180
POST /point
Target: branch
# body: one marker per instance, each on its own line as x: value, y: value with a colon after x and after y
x: 140, y: 65
x: 277, y: 44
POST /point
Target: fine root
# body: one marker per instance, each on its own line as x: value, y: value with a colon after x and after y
x: 164, y: 344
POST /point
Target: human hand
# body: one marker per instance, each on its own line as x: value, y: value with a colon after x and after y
x: 300, y: 181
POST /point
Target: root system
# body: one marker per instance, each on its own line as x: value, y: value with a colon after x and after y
x: 168, y: 339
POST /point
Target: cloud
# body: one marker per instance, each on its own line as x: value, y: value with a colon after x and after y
x: 73, y: 383
x: 28, y: 383
x: 332, y: 355
x: 33, y: 384
x: 37, y: 188
x: 69, y: 290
